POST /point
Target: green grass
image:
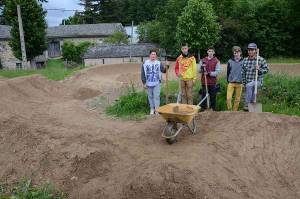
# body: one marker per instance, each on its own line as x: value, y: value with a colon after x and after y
x: 280, y: 94
x: 283, y: 60
x: 132, y: 105
x: 55, y: 70
x: 25, y: 190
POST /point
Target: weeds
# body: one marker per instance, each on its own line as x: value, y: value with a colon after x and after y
x: 55, y: 70
x: 280, y: 94
x: 25, y: 190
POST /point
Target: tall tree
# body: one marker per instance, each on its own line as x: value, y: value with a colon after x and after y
x: 169, y: 20
x: 198, y: 25
x: 34, y: 26
x: 2, y: 21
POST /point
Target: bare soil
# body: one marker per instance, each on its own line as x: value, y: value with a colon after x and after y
x: 48, y: 132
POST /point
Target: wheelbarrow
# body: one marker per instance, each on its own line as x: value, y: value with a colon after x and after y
x: 178, y: 116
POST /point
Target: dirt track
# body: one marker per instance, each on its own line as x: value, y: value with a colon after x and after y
x: 48, y: 132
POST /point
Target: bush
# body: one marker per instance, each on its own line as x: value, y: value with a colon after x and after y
x: 119, y: 37
x: 133, y: 105
x: 280, y: 94
x: 25, y: 190
x: 74, y: 53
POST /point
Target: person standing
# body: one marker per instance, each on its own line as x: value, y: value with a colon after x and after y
x: 186, y: 69
x: 249, y: 70
x: 151, y: 77
x: 210, y: 68
x: 234, y: 79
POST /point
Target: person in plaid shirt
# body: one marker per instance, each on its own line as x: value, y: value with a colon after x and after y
x: 249, y: 70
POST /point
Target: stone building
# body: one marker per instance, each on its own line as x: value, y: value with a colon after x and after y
x: 95, y: 33
x: 56, y: 36
x: 116, y: 54
x: 8, y: 60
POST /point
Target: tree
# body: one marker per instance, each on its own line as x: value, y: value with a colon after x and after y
x: 168, y: 20
x: 74, y: 53
x: 119, y: 37
x: 2, y: 4
x: 77, y: 18
x: 198, y: 25
x: 34, y: 26
x: 149, y: 32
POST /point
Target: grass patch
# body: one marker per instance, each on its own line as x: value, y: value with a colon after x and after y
x: 25, y: 190
x: 132, y: 105
x: 284, y: 60
x: 280, y: 94
x: 55, y: 70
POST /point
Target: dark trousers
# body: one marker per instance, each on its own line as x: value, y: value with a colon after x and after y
x: 212, y: 96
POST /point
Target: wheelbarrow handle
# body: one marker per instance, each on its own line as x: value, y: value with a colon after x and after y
x: 206, y: 96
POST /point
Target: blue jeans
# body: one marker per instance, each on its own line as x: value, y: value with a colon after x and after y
x: 154, y: 96
x: 250, y: 87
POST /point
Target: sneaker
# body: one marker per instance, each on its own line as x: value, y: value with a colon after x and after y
x: 245, y: 108
x: 152, y: 111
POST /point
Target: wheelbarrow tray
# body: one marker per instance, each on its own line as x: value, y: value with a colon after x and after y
x: 179, y: 113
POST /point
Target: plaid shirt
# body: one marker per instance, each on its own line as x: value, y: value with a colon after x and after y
x: 248, y: 69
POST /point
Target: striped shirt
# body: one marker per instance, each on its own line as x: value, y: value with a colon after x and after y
x: 249, y: 69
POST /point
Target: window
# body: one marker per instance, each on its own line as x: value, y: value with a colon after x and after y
x: 18, y: 66
x: 40, y: 65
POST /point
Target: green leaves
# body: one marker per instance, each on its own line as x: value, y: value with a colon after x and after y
x: 198, y: 25
x: 34, y: 26
x: 119, y: 37
x: 72, y: 52
x: 149, y: 32
x: 25, y: 190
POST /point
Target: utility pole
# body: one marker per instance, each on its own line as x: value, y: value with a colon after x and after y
x: 131, y: 40
x: 21, y: 31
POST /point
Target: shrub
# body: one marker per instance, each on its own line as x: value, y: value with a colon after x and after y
x: 133, y: 105
x: 74, y: 53
x: 119, y: 37
x: 280, y: 94
x: 26, y: 190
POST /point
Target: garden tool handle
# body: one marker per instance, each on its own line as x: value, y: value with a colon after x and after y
x: 206, y: 88
x: 179, y: 85
x: 256, y: 75
x: 167, y: 81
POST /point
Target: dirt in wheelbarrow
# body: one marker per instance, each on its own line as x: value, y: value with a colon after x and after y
x: 47, y: 133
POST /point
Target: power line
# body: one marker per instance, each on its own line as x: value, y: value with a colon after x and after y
x: 63, y: 10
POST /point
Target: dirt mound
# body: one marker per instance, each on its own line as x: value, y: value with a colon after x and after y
x: 97, y: 164
x: 86, y: 93
x: 46, y: 134
x: 162, y: 180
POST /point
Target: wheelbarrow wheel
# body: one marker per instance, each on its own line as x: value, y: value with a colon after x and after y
x: 171, y: 129
x: 171, y: 140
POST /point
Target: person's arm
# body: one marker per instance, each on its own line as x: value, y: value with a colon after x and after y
x: 194, y: 67
x: 162, y: 68
x: 143, y: 76
x: 244, y: 72
x: 228, y: 70
x: 264, y: 68
x: 217, y: 71
x: 177, y: 68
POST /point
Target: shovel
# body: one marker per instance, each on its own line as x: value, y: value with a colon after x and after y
x: 255, y: 107
x: 167, y: 82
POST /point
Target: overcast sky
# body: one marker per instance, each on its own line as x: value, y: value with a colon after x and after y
x: 54, y: 17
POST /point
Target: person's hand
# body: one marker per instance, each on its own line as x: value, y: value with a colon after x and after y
x: 257, y: 67
x: 145, y: 86
x: 167, y: 64
x: 205, y: 73
x: 194, y: 81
